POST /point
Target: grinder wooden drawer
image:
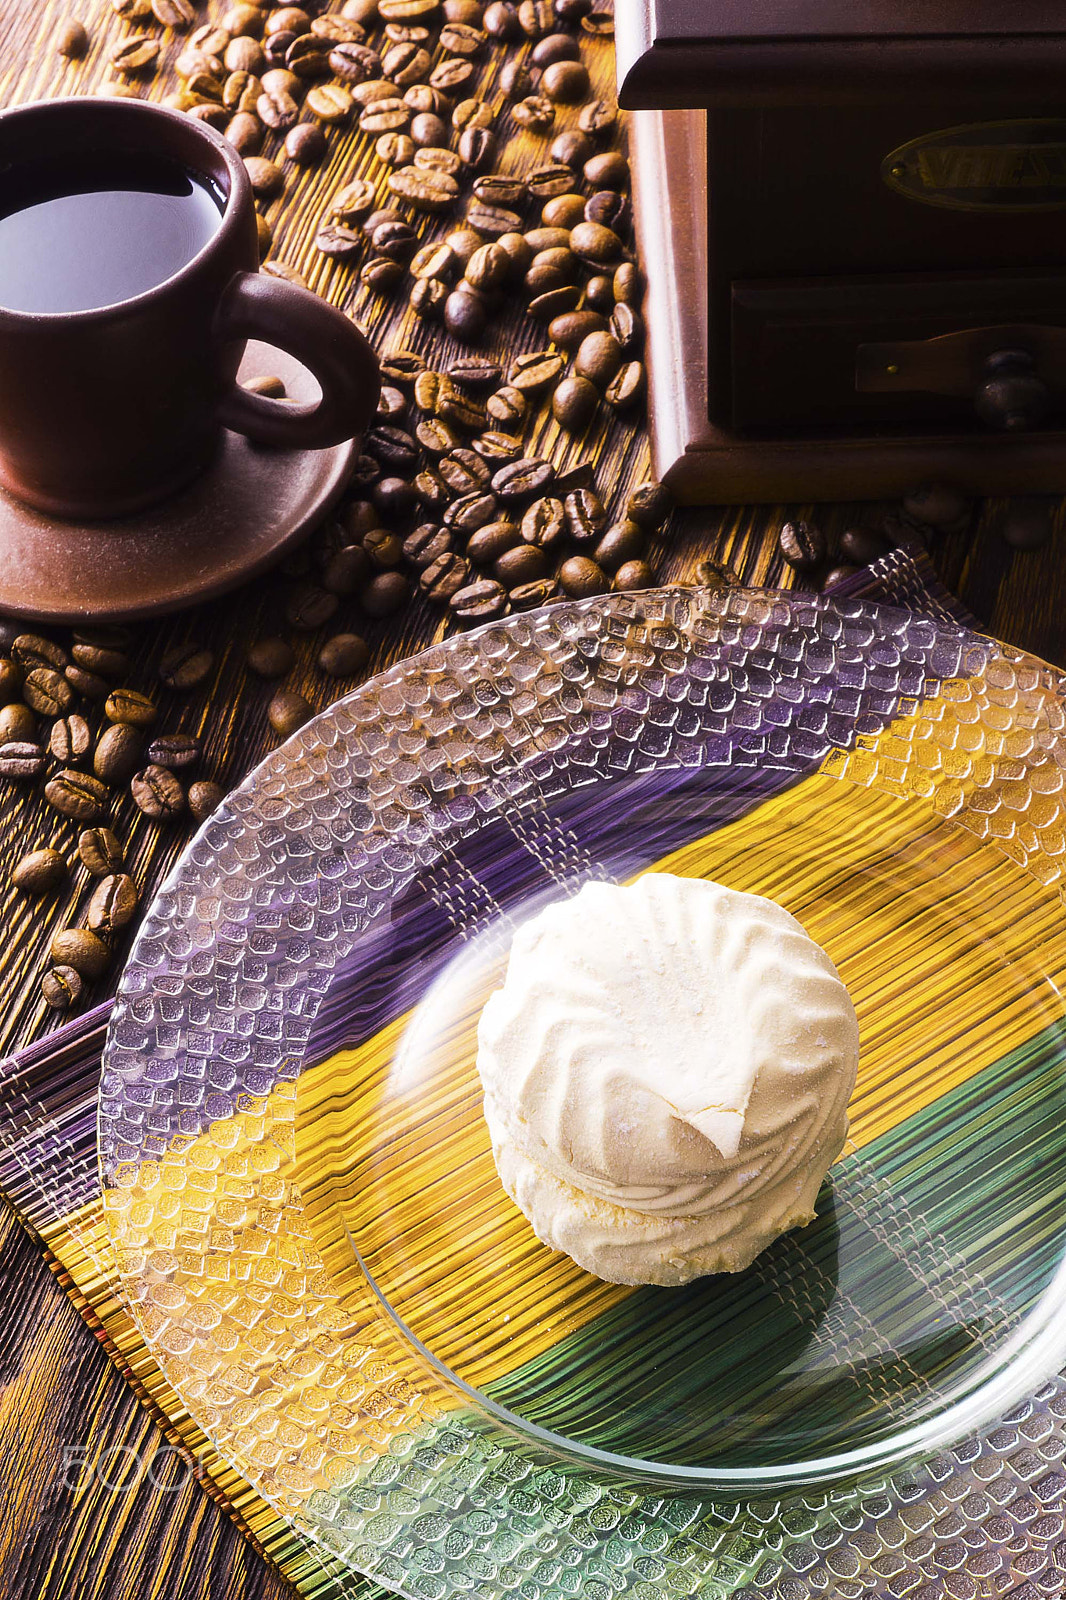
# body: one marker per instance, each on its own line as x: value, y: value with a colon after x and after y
x: 797, y: 343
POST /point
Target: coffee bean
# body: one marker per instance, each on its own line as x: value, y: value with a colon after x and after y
x: 70, y: 740
x: 425, y: 544
x: 1026, y: 524
x: 338, y: 29
x: 204, y: 797
x: 21, y: 759
x: 464, y: 472
x: 574, y: 403
x: 554, y: 305
x: 627, y: 386
x: 157, y: 792
x: 501, y: 189
x: 535, y: 112
x: 305, y: 144
x: 538, y: 239
x: 544, y: 523
x: 838, y: 574
x: 597, y: 117
x: 385, y: 594
x: 649, y: 505
x: 863, y: 545
x: 31, y: 650
x: 571, y: 149
x: 460, y: 39
x: 462, y: 409
x: 519, y: 253
x: 127, y: 705
x: 112, y: 905
x: 394, y: 498
x: 628, y: 328
x: 186, y: 666
x: 429, y: 133
x: 564, y: 211
x: 610, y: 170
x: 599, y: 294
x: 39, y: 872
x: 393, y: 447
x: 11, y: 678
x: 18, y: 725
x: 277, y: 111
x: 497, y: 448
x: 267, y: 384
x: 471, y: 511
x: 803, y: 545
x: 406, y: 64
x: 570, y: 330
x: 598, y: 359
x: 61, y: 988
x: 76, y: 794
x: 385, y: 549
x: 445, y: 577
x: 353, y: 62
x: 507, y: 406
x: 938, y: 505
x: 136, y: 55
x: 551, y: 269
x: 174, y: 750
x: 555, y: 47
x: 634, y: 575
x: 344, y: 655
x: 99, y: 659
x: 452, y: 76
x: 536, y: 17
x: 338, y: 241
x: 272, y: 657
x: 527, y: 476
x: 566, y: 82
x: 472, y: 373
x: 488, y: 267
x: 309, y: 607
x: 580, y: 578
x: 533, y: 373
x: 100, y: 851
x: 465, y: 315
x: 290, y: 19
x: 523, y: 563
x: 501, y: 20
x: 244, y: 54
x: 623, y: 542
x: 490, y: 542
x: 528, y: 596
x: 609, y: 210
x: 585, y: 516
x: 245, y: 133
x: 47, y: 691
x: 476, y: 147
x: 81, y: 949
x: 626, y: 285
x: 71, y: 39
x: 480, y: 601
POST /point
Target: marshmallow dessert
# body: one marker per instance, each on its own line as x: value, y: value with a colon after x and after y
x: 666, y: 1071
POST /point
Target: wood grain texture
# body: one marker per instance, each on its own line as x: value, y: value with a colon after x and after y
x: 58, y: 1392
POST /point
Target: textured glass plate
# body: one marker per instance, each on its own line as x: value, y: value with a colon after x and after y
x: 297, y: 1176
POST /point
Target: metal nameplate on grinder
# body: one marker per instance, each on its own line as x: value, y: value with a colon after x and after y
x: 985, y: 166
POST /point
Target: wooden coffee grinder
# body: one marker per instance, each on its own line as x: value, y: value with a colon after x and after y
x: 852, y: 216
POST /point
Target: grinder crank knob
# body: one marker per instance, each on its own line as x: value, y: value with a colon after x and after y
x: 1011, y: 397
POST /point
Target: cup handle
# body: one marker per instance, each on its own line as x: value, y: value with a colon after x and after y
x: 331, y: 346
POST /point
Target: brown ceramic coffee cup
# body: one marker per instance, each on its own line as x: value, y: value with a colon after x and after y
x: 104, y: 411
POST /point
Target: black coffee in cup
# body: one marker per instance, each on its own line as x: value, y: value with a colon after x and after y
x: 96, y: 228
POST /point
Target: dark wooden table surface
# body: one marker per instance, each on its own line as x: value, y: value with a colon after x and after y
x: 65, y: 1530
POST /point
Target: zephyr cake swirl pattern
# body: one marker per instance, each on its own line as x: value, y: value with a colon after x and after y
x: 283, y: 945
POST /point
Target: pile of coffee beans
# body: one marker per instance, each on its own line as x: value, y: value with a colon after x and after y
x: 71, y: 722
x: 510, y: 257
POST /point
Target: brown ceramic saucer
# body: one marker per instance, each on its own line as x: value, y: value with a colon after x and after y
x: 235, y: 519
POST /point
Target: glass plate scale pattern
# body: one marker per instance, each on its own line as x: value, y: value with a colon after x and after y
x: 265, y: 1159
